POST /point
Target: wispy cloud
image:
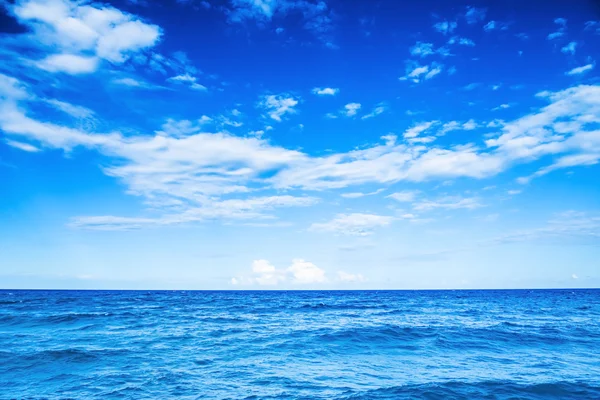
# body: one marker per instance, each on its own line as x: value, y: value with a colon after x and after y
x: 355, y: 224
x: 278, y: 106
x: 580, y: 70
x: 475, y: 15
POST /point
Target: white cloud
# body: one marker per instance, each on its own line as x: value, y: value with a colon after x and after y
x: 475, y: 15
x: 421, y: 49
x: 495, y: 25
x: 417, y: 129
x: 445, y: 27
x: 189, y: 80
x: 72, y: 110
x: 356, y: 195
x: 416, y: 72
x: 555, y: 35
x: 574, y: 276
x: 134, y: 83
x: 278, y: 105
x: 376, y: 111
x: 356, y: 224
x: 501, y: 107
x: 513, y: 192
x: 315, y: 16
x: 186, y: 170
x: 350, y: 277
x: 266, y: 274
x: 448, y: 203
x: 74, y: 30
x: 325, y: 91
x: 466, y: 42
x: 405, y: 196
x: 580, y: 70
x: 569, y: 48
x: 304, y: 272
x: 351, y: 109
x: 69, y: 63
x: 22, y: 146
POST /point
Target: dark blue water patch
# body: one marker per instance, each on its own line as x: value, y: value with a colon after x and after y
x: 535, y: 344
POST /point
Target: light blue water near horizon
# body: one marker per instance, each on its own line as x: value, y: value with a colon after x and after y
x: 494, y: 344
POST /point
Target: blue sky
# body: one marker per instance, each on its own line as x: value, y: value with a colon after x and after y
x: 296, y: 144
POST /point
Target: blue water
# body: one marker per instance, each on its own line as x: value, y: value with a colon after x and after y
x: 300, y: 345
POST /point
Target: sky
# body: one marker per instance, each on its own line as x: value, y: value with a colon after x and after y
x: 299, y: 144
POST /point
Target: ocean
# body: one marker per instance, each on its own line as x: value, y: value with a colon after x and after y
x: 488, y: 344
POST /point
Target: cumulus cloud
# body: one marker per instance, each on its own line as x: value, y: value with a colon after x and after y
x: 73, y: 30
x: 355, y: 224
x: 304, y: 272
x: 300, y: 272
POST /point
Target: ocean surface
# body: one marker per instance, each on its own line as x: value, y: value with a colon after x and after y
x: 513, y: 344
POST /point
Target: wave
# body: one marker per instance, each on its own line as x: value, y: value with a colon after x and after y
x: 487, y: 389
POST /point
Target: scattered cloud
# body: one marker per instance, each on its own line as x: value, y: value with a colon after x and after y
x: 569, y: 48
x: 378, y: 110
x: 351, y: 109
x: 421, y: 49
x: 448, y: 203
x: 445, y: 27
x: 405, y: 196
x: 495, y: 25
x: 314, y: 16
x: 325, y: 91
x: 187, y: 79
x: 475, y: 15
x: 580, y: 70
x: 416, y: 72
x: 278, y: 105
x: 417, y: 129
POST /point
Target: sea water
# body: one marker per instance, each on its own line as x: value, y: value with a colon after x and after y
x: 507, y: 344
